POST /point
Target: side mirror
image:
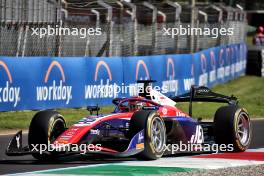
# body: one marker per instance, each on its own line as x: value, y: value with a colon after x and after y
x: 91, y: 109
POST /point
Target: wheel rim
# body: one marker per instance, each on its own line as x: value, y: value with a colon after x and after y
x: 58, y: 128
x: 157, y: 134
x: 243, y: 126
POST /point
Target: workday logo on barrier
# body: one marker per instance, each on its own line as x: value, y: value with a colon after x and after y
x: 8, y: 93
x: 98, y: 66
x: 142, y: 64
x: 212, y: 74
x: 240, y: 63
x: 203, y: 78
x: 141, y: 69
x: 171, y: 84
x: 229, y: 56
x: 221, y: 68
x: 188, y: 82
x: 57, y: 91
x: 101, y: 89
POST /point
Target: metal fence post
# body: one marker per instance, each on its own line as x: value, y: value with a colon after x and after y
x: 241, y: 25
x: 205, y: 21
x: 26, y: 21
x: 192, y: 24
x: 204, y: 15
x: 61, y: 19
x: 110, y: 24
x: 87, y: 48
x: 164, y: 19
x: 1, y: 11
x: 58, y: 15
x: 63, y: 10
x: 164, y: 16
x: 154, y: 23
x: 1, y: 24
x: 220, y: 20
x: 178, y: 10
x: 230, y: 23
x: 97, y: 13
x: 12, y: 12
x: 121, y: 27
x: 4, y: 11
x: 133, y: 13
x: 19, y: 40
x: 25, y: 41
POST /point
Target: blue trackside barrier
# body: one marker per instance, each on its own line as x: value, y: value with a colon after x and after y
x: 33, y: 83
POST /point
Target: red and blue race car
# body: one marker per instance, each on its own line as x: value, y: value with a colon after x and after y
x: 147, y: 126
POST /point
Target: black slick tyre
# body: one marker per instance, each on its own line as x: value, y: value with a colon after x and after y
x: 154, y: 133
x: 232, y: 127
x: 44, y: 128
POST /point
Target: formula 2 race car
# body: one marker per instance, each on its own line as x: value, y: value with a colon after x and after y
x: 142, y: 126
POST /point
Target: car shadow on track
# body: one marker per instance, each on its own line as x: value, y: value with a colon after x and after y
x: 70, y: 160
x: 81, y: 159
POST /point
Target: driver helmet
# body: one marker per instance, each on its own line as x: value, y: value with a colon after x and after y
x: 260, y: 29
x: 135, y: 105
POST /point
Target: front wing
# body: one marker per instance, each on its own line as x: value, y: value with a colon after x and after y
x: 135, y: 146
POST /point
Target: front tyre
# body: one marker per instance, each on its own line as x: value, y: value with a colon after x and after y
x: 44, y: 128
x: 155, y: 133
x: 232, y: 126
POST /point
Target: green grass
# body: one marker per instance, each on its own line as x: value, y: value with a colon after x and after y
x: 248, y: 89
x: 21, y: 119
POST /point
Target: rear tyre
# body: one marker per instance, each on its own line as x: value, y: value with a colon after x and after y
x: 44, y: 128
x: 155, y: 133
x: 232, y: 126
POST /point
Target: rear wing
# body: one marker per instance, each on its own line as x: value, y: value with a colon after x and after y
x: 204, y: 94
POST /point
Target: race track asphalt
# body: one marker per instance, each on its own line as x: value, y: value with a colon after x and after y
x: 9, y: 165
